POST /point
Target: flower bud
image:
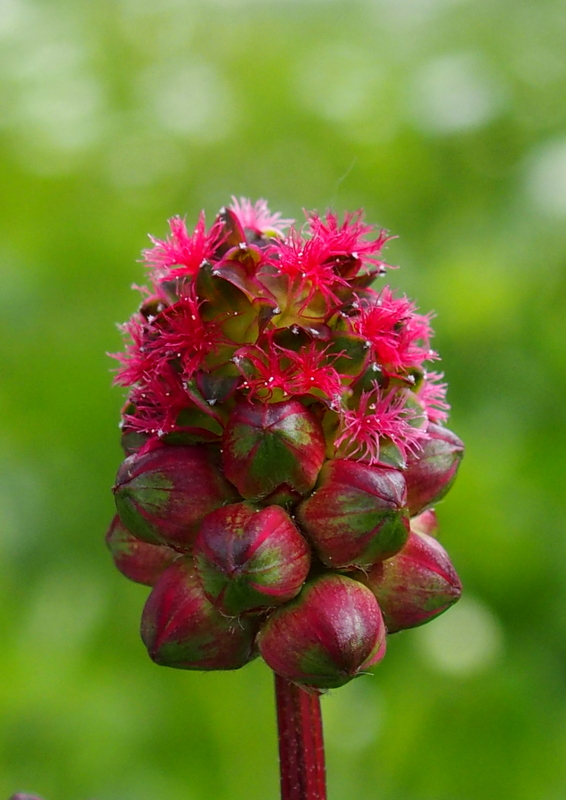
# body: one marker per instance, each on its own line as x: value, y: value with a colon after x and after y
x: 332, y: 632
x: 431, y: 473
x: 139, y: 561
x: 248, y: 559
x: 414, y: 586
x: 356, y: 516
x: 267, y: 445
x: 426, y: 522
x: 163, y: 495
x: 182, y: 629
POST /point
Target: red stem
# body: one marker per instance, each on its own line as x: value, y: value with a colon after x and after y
x: 301, y: 747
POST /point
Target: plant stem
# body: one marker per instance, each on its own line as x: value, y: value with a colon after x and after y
x: 301, y: 747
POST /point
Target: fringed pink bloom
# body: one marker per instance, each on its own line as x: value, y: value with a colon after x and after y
x: 257, y: 217
x: 279, y: 417
x: 306, y: 264
x: 399, y: 337
x: 378, y: 417
x: 157, y: 402
x: 432, y: 396
x: 181, y: 254
x: 312, y: 371
x: 135, y: 362
x: 350, y: 238
x: 177, y: 334
x: 264, y: 371
x: 307, y: 371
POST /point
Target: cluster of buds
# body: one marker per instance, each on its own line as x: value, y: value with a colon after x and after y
x: 284, y: 443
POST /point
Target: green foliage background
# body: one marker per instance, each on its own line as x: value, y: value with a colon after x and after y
x: 442, y: 118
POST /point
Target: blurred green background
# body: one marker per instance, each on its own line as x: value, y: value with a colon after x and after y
x: 446, y: 120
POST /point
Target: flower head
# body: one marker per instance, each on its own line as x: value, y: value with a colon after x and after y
x: 282, y: 425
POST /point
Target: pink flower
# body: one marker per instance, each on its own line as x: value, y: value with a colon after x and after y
x: 310, y: 272
x: 349, y: 239
x: 182, y: 254
x: 378, y: 417
x: 432, y: 395
x: 399, y: 337
x: 258, y: 218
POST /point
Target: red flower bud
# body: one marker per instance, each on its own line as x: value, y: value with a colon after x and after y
x: 269, y: 445
x: 431, y: 472
x: 182, y: 629
x: 356, y: 516
x: 248, y: 559
x: 163, y: 495
x: 426, y: 522
x: 332, y: 632
x: 139, y: 561
x: 414, y: 586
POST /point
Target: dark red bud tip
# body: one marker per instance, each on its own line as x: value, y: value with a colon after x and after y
x: 332, y: 632
x: 431, y: 473
x: 416, y: 585
x: 267, y: 445
x: 356, y: 516
x: 163, y: 495
x: 427, y: 522
x: 249, y: 559
x: 139, y: 561
x: 182, y: 629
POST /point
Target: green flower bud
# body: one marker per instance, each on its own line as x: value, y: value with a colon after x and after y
x: 416, y: 585
x: 332, y: 632
x: 163, y: 495
x: 249, y: 559
x: 272, y: 445
x: 356, y: 515
x: 139, y: 561
x: 182, y: 629
x: 431, y: 472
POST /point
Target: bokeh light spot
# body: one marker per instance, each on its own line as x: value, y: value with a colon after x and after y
x: 546, y: 178
x: 465, y: 641
x: 455, y: 93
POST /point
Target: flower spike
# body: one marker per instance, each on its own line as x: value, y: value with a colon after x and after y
x: 285, y: 443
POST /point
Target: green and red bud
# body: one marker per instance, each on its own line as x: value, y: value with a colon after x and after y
x: 182, y: 629
x: 431, y: 472
x: 416, y: 585
x: 139, y: 561
x: 163, y: 495
x: 357, y: 515
x: 248, y: 559
x: 332, y: 632
x: 271, y: 445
